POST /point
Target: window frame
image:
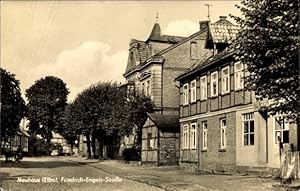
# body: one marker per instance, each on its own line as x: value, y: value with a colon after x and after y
x: 223, y: 133
x: 149, y: 141
x: 212, y: 82
x: 185, y: 93
x: 282, y: 129
x: 185, y: 136
x: 249, y: 133
x: 204, y: 135
x: 238, y: 74
x: 193, y: 90
x: 225, y: 82
x: 193, y: 136
x: 203, y: 88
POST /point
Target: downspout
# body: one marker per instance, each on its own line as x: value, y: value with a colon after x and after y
x: 158, y: 145
x: 267, y: 141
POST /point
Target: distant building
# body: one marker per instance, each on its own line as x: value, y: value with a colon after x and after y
x: 222, y: 125
x: 20, y: 138
x: 151, y: 69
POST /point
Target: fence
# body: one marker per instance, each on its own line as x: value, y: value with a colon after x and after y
x: 290, y: 165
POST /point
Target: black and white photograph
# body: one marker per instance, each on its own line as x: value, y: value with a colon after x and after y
x: 119, y: 95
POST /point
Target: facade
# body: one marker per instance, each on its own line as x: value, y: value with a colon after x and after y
x: 160, y: 139
x: 154, y: 64
x: 20, y: 138
x: 222, y: 125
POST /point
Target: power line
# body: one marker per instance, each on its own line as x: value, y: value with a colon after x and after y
x: 41, y: 30
x: 30, y: 18
x: 46, y: 31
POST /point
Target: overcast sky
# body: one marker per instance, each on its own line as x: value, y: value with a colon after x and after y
x: 83, y: 42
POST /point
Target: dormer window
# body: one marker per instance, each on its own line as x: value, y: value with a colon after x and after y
x: 193, y: 50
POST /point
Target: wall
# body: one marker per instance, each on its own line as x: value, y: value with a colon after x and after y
x: 228, y: 100
x: 176, y: 62
x: 158, y: 46
x: 149, y: 154
x: 273, y: 148
x: 214, y: 158
x: 168, y: 148
x: 254, y: 155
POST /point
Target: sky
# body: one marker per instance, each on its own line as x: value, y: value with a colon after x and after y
x: 84, y: 42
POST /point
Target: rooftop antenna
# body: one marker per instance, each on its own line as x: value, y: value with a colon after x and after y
x: 208, y: 15
x: 156, y: 20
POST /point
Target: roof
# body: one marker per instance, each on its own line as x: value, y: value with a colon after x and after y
x: 166, y: 123
x: 142, y: 51
x: 23, y: 133
x: 223, y: 31
x: 141, y: 46
x: 201, y: 64
x: 155, y: 35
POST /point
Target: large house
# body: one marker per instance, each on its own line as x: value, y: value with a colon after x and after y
x: 151, y: 69
x: 222, y: 125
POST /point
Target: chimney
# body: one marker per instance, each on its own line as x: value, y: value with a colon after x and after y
x: 223, y: 18
x: 203, y: 25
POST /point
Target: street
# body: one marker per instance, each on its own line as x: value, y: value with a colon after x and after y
x: 77, y: 173
x: 53, y: 173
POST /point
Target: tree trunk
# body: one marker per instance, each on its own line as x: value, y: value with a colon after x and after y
x: 71, y: 152
x: 88, y: 144
x: 94, y: 144
x: 100, y: 146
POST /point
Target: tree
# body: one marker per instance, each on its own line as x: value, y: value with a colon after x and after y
x: 104, y: 112
x: 268, y: 44
x: 72, y: 125
x: 47, y: 100
x: 137, y: 107
x: 13, y: 107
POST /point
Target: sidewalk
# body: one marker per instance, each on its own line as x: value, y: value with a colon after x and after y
x: 173, y: 178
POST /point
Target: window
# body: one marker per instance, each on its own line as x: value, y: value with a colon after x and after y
x: 214, y: 84
x: 193, y: 139
x: 193, y: 91
x: 223, y: 133
x: 203, y: 88
x: 149, y: 141
x: 281, y: 129
x: 248, y: 123
x: 194, y: 50
x: 185, y: 94
x: 143, y: 88
x: 225, y: 80
x: 204, y: 138
x: 185, y: 136
x: 148, y: 93
x: 238, y: 76
x: 149, y: 138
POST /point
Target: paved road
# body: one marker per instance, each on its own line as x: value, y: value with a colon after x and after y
x: 51, y: 173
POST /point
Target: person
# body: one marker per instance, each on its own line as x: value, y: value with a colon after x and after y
x: 19, y: 154
x: 6, y: 152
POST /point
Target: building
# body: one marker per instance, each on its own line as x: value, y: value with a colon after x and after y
x: 20, y: 138
x: 160, y: 139
x: 223, y: 127
x: 154, y: 64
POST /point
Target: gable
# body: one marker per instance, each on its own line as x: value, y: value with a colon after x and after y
x: 149, y: 123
